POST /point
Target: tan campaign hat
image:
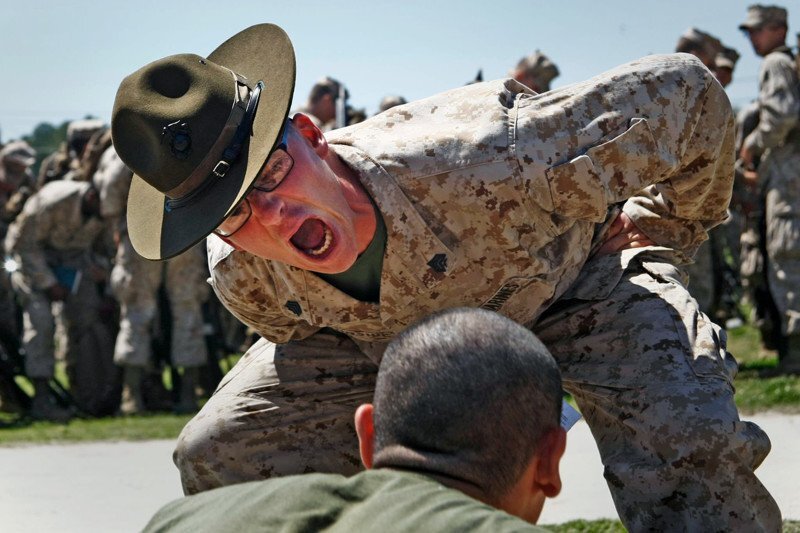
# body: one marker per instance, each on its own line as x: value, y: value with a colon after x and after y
x: 759, y: 15
x: 196, y: 132
x: 18, y: 152
x: 538, y: 66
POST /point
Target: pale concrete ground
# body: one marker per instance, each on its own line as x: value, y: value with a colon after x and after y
x: 117, y: 486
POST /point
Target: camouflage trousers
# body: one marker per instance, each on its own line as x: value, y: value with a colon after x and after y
x: 136, y: 281
x: 781, y: 174
x: 647, y: 368
x: 89, y: 338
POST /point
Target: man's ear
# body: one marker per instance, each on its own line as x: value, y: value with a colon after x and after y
x: 365, y: 429
x: 311, y: 133
x: 549, y: 454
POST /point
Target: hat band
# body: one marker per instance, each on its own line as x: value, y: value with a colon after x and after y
x: 203, y: 171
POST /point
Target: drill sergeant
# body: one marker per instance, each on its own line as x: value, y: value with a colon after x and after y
x: 484, y: 196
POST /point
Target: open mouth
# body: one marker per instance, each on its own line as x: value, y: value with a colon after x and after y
x: 313, y: 237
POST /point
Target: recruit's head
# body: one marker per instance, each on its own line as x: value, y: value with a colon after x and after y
x: 472, y: 398
x: 766, y: 27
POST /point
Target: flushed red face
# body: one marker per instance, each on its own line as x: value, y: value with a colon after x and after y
x: 315, y: 219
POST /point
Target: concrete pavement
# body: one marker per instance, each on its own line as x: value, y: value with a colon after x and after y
x: 117, y: 486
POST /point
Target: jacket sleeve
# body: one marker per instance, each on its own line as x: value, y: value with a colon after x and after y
x: 778, y: 103
x: 656, y: 134
x: 24, y: 241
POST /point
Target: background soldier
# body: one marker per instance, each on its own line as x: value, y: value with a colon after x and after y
x: 776, y: 139
x: 16, y: 186
x: 136, y: 283
x: 700, y: 44
x: 535, y: 71
x: 66, y: 161
x: 59, y: 242
x: 324, y: 104
x: 388, y: 102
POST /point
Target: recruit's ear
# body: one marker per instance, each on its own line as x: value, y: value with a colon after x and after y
x: 311, y: 133
x: 549, y: 454
x: 365, y: 428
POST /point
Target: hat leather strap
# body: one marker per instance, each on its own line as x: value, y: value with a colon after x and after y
x: 204, y: 172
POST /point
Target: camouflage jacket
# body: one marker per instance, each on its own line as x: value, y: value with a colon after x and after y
x: 778, y: 103
x: 492, y: 195
x: 51, y: 231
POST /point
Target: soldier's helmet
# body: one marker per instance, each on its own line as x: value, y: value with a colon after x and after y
x: 80, y: 131
x: 539, y: 67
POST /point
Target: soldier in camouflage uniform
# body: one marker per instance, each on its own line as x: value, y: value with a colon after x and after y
x: 535, y: 71
x: 321, y: 104
x: 16, y: 186
x: 66, y: 161
x: 700, y: 44
x: 565, y: 211
x: 776, y: 140
x: 59, y: 241
x: 135, y: 283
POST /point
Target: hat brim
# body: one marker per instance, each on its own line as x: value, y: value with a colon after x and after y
x: 259, y: 53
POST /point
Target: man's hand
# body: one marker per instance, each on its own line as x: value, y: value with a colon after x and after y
x: 622, y: 235
x: 57, y: 293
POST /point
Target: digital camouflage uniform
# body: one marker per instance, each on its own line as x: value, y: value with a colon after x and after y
x: 15, y: 189
x: 54, y: 242
x: 777, y: 139
x: 493, y: 197
x: 135, y: 282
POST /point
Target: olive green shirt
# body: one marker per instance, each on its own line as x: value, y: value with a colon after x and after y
x: 380, y: 500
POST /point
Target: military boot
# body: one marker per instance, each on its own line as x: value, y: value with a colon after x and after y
x: 187, y: 403
x: 789, y: 356
x: 132, y: 399
x: 43, y: 407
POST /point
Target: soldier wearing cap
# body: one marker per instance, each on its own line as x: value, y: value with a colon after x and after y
x: 724, y: 64
x: 16, y: 186
x: 65, y: 162
x: 321, y: 106
x: 565, y: 211
x: 135, y: 283
x: 776, y: 140
x: 535, y: 71
x: 390, y: 101
x: 60, y: 243
x: 701, y: 45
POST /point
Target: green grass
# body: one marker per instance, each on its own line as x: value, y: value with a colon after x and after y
x: 587, y: 526
x: 129, y: 428
x: 757, y: 389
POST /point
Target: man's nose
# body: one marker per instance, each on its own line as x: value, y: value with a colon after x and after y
x: 267, y: 207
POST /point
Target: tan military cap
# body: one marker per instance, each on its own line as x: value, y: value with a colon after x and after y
x: 727, y: 58
x: 539, y: 67
x: 18, y: 152
x: 83, y: 129
x: 710, y: 45
x: 390, y: 101
x: 758, y: 15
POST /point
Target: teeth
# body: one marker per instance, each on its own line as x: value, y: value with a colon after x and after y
x: 325, y: 245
